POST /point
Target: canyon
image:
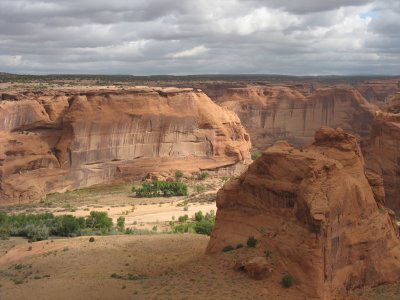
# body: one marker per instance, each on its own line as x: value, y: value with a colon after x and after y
x: 59, y: 140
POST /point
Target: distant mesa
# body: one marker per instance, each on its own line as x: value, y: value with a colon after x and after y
x: 52, y: 141
x: 315, y: 215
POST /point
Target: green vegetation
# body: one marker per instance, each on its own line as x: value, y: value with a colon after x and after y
x: 203, y: 224
x: 99, y: 220
x: 203, y: 175
x: 37, y: 227
x: 251, y: 241
x: 287, y: 280
x: 161, y: 189
x: 228, y: 248
x: 121, y: 223
x: 198, y: 216
x: 178, y: 175
x: 183, y: 218
x: 255, y: 155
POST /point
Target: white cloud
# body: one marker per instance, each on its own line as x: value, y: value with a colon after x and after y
x: 193, y: 52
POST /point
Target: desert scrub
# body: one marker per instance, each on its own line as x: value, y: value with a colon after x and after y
x: 228, y: 248
x: 203, y: 175
x: 256, y: 155
x: 183, y: 218
x: 251, y: 241
x: 178, y: 175
x: 287, y: 280
x: 121, y: 223
x: 162, y: 189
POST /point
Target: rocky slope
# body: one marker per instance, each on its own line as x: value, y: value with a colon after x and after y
x: 58, y: 140
x: 273, y: 113
x: 382, y: 154
x: 315, y: 216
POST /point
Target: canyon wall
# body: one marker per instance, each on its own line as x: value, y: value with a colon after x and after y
x: 274, y: 113
x: 382, y: 154
x: 57, y: 140
x: 315, y: 215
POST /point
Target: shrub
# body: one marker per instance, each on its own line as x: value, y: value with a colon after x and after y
x: 121, y: 223
x: 162, y: 188
x: 37, y: 233
x: 183, y: 228
x: 238, y: 246
x: 198, y: 216
x: 68, y: 225
x: 228, y: 248
x: 99, y: 220
x: 287, y: 280
x: 251, y: 241
x: 255, y: 155
x: 183, y: 218
x: 203, y: 175
x: 204, y: 227
x: 91, y: 240
x: 178, y: 175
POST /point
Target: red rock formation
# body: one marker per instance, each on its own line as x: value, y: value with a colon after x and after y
x: 382, y: 155
x: 273, y: 113
x: 314, y: 215
x: 61, y: 140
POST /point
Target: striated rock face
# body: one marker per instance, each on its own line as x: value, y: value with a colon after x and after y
x: 61, y: 140
x: 382, y: 154
x: 273, y: 113
x: 315, y: 215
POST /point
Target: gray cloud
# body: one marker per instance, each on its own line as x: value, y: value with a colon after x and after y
x: 193, y: 37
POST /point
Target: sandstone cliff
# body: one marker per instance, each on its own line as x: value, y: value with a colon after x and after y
x: 315, y: 216
x: 382, y: 155
x: 273, y: 113
x: 57, y: 140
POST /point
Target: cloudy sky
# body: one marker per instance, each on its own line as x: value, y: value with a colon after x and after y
x: 142, y: 37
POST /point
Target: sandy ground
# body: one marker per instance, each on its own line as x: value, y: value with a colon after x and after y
x: 162, y: 266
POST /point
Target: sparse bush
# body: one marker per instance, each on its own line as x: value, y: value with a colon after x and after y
x: 203, y: 175
x: 238, y: 246
x: 200, y: 189
x: 183, y: 218
x: 251, y: 241
x: 121, y: 223
x: 178, y: 175
x: 37, y: 233
x: 91, y: 240
x: 287, y: 280
x: 204, y: 227
x: 198, y: 216
x: 255, y: 155
x: 99, y: 220
x: 228, y: 248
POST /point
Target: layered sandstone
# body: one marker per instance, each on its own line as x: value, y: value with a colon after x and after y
x: 273, y: 113
x: 315, y: 216
x: 58, y: 140
x: 382, y: 154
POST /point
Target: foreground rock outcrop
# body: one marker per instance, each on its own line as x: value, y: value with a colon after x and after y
x: 57, y: 140
x: 278, y: 112
x: 315, y: 216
